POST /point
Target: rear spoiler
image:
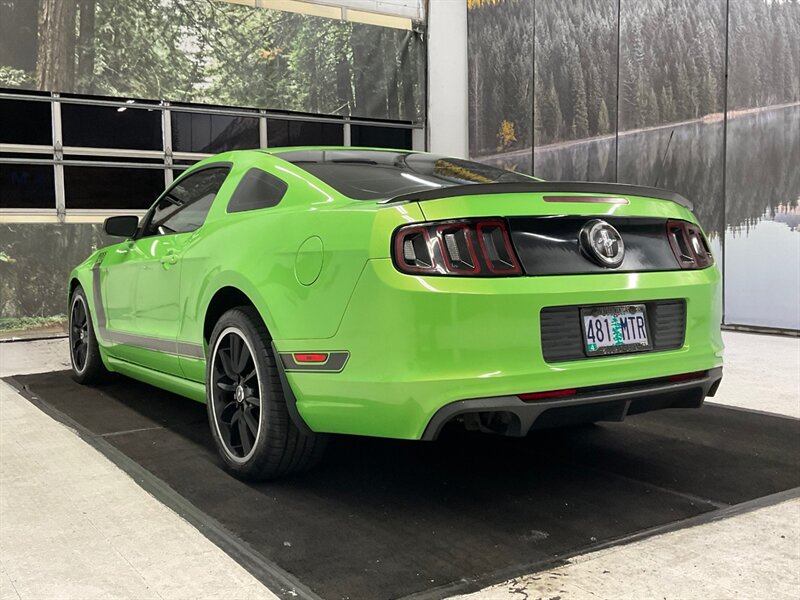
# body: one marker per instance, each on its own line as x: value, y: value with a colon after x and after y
x: 539, y: 187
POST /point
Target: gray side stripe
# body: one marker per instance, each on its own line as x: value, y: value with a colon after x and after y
x: 190, y: 350
x: 133, y: 339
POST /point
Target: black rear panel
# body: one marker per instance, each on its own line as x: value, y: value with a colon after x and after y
x: 550, y: 245
x: 562, y: 334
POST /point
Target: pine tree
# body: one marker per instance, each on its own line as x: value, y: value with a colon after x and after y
x: 667, y: 104
x: 537, y: 120
x: 551, y: 114
x: 708, y: 94
x: 683, y: 103
x: 603, y: 125
x: 651, y: 114
x: 595, y: 97
x: 580, y: 120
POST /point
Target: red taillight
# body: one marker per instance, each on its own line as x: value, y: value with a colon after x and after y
x: 497, y: 248
x: 468, y: 247
x: 457, y: 249
x: 689, y: 245
x: 546, y: 395
x: 687, y: 376
x: 310, y: 357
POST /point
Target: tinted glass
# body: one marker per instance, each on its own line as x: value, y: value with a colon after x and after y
x: 25, y: 122
x: 185, y: 206
x: 111, y: 127
x: 375, y: 175
x: 380, y: 137
x: 112, y: 188
x: 257, y: 189
x: 211, y: 134
x: 282, y: 132
x: 27, y: 186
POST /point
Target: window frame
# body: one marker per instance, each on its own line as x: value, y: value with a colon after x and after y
x: 148, y: 217
x: 166, y: 159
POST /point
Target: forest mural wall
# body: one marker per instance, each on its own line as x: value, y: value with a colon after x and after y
x: 632, y: 91
x: 35, y: 262
x: 204, y: 52
x: 211, y: 51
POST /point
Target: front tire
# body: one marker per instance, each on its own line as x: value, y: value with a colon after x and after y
x: 251, y: 426
x: 84, y: 351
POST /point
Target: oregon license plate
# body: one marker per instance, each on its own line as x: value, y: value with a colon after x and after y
x: 615, y: 329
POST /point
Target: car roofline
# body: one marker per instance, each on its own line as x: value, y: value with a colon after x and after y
x: 474, y: 189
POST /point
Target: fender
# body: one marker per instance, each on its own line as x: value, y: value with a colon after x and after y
x: 214, y: 284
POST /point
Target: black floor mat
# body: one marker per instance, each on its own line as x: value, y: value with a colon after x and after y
x: 385, y: 519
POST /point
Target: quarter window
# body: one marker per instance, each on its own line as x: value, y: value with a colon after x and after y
x: 257, y: 189
x: 183, y: 208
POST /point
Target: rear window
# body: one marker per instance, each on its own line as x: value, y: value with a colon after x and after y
x: 377, y: 175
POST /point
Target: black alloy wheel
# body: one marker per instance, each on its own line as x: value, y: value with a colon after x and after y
x: 255, y: 436
x: 84, y: 350
x: 236, y: 394
x: 79, y: 334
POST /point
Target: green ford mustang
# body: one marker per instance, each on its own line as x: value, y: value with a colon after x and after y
x: 306, y: 291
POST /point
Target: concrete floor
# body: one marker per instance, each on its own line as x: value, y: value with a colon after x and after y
x: 72, y: 525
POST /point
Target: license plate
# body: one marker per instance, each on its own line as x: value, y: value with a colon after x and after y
x: 615, y: 329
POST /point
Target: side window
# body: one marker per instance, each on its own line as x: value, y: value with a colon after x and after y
x: 185, y: 205
x: 257, y: 189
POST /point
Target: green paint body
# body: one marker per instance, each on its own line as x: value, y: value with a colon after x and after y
x: 416, y: 343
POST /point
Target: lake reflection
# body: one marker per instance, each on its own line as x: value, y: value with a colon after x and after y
x: 762, y: 271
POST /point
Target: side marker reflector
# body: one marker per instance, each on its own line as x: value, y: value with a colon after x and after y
x: 314, y: 358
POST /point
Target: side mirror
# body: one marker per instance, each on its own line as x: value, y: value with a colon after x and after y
x: 122, y: 226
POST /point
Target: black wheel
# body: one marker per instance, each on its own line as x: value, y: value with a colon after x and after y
x: 84, y: 352
x: 251, y: 426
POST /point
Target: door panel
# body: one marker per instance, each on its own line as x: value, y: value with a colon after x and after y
x: 118, y: 273
x: 156, y: 298
x: 125, y: 274
x: 141, y: 280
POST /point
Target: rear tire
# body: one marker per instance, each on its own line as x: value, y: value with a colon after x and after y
x: 251, y: 426
x: 84, y: 351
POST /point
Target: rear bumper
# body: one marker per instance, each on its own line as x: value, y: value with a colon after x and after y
x: 418, y: 344
x: 508, y: 415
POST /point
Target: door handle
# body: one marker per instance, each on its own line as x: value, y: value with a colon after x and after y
x: 169, y: 258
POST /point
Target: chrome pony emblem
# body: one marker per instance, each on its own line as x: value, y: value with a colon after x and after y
x: 602, y: 243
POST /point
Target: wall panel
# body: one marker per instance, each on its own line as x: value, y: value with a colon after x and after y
x: 575, y: 87
x: 211, y: 52
x: 501, y: 82
x: 738, y: 166
x: 762, y: 236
